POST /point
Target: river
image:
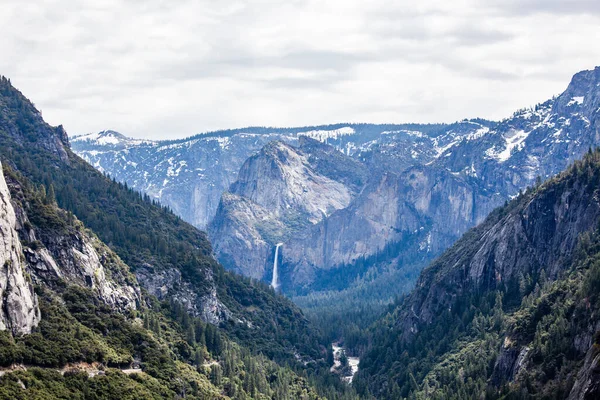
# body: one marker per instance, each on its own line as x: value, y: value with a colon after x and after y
x: 352, y: 362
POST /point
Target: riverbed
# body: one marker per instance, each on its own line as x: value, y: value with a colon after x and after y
x: 352, y: 362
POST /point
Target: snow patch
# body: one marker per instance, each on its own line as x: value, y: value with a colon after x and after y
x: 576, y: 100
x: 224, y: 142
x: 324, y: 135
x: 478, y: 133
x: 442, y: 150
x: 409, y: 133
x: 108, y: 137
x: 175, y: 168
x: 514, y: 141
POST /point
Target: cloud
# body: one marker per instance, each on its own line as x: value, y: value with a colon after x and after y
x: 161, y: 69
x: 556, y: 7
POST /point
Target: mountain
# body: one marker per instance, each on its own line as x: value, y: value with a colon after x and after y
x: 106, y: 292
x: 123, y: 158
x: 189, y: 175
x: 20, y: 311
x: 510, y: 311
x: 280, y: 192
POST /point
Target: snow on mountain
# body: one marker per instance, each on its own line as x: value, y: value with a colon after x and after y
x: 325, y: 135
x: 576, y: 100
x: 514, y: 140
x: 189, y: 175
x: 109, y: 138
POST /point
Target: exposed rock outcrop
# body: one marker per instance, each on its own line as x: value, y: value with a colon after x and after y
x: 509, y: 363
x: 244, y: 234
x: 540, y: 234
x: 587, y: 385
x: 169, y: 284
x: 19, y: 310
x: 279, y: 192
x: 40, y: 254
x: 70, y: 253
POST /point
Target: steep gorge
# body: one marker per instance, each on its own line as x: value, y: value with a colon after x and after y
x: 513, y: 304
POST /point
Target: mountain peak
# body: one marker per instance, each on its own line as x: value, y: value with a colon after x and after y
x: 582, y: 96
x: 24, y: 123
x: 586, y: 76
x: 106, y: 137
x: 109, y: 138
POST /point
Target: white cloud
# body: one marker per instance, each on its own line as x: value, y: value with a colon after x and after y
x: 170, y: 69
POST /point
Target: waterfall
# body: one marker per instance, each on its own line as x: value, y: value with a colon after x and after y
x: 275, y: 280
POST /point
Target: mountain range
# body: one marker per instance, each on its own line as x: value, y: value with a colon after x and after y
x: 351, y: 203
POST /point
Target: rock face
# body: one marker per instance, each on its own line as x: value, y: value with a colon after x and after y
x: 161, y: 284
x: 587, y: 385
x: 18, y: 302
x: 509, y: 363
x: 70, y: 254
x: 244, y: 234
x: 31, y: 253
x: 541, y: 234
x: 281, y: 179
x: 189, y: 176
x: 279, y: 193
x: 80, y: 258
x: 414, y: 206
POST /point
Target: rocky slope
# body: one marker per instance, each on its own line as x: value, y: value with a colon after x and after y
x: 518, y: 294
x: 188, y: 176
x: 51, y: 252
x: 88, y: 317
x: 62, y: 252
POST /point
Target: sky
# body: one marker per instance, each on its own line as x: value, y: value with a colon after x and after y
x: 169, y: 69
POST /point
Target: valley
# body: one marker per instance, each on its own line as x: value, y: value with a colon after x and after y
x: 464, y: 250
x: 343, y: 218
x: 305, y: 200
x: 152, y: 299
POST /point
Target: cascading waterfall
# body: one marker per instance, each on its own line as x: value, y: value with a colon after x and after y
x: 275, y: 280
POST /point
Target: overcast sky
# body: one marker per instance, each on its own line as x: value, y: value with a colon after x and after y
x: 165, y: 69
